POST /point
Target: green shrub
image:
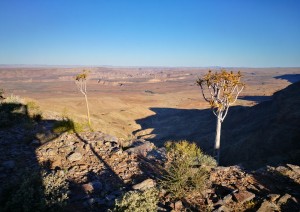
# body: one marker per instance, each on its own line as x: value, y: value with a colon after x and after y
x: 138, y: 201
x: 36, y: 191
x: 67, y: 125
x: 34, y: 111
x: 186, y: 169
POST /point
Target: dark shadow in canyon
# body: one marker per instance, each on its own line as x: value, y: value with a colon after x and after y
x: 264, y: 134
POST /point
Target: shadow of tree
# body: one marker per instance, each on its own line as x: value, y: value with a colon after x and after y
x: 267, y: 133
x: 178, y: 124
x: 257, y: 99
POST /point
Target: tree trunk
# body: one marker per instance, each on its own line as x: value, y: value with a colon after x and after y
x: 88, y: 110
x: 217, y: 140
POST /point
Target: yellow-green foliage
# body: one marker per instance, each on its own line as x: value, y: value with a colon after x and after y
x: 182, y: 150
x: 186, y: 168
x: 34, y: 110
x: 67, y: 125
x: 223, y: 88
x: 138, y: 201
x: 82, y: 76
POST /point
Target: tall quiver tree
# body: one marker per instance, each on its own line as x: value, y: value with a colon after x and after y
x: 80, y: 81
x: 221, y: 90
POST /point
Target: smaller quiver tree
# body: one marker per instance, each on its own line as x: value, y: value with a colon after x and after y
x: 221, y: 90
x: 80, y: 81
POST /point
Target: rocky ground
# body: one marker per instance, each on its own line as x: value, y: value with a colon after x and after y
x: 100, y: 169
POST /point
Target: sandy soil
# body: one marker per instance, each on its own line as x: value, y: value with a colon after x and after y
x: 119, y: 97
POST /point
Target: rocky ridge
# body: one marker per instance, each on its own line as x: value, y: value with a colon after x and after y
x: 100, y: 170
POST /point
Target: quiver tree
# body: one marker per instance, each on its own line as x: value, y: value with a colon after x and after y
x: 221, y: 90
x: 80, y: 81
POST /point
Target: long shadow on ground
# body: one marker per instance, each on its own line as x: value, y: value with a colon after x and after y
x: 257, y: 99
x: 178, y: 124
x: 267, y: 133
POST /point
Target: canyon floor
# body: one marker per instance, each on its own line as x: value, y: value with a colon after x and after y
x: 134, y: 102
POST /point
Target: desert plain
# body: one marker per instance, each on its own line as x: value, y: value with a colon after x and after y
x: 143, y: 102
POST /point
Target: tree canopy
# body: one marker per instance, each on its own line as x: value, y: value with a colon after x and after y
x: 221, y: 89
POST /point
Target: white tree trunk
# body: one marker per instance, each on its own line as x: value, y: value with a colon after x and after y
x: 88, y: 110
x: 217, y: 140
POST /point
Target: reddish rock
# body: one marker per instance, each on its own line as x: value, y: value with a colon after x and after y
x: 243, y: 196
x: 87, y: 188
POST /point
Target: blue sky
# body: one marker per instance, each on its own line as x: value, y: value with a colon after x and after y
x: 244, y: 33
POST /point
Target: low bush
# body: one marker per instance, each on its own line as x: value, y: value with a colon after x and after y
x: 67, y: 125
x: 36, y: 191
x: 55, y: 189
x: 138, y: 201
x: 186, y: 169
x: 34, y: 111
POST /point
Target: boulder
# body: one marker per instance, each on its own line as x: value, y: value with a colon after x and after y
x: 141, y: 148
x: 146, y: 184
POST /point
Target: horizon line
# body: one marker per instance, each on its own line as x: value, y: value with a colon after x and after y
x: 135, y: 66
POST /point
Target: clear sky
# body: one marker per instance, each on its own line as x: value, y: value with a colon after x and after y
x: 252, y: 33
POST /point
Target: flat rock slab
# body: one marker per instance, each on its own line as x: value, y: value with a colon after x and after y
x: 267, y: 206
x: 75, y: 156
x: 243, y: 196
x: 146, y: 184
